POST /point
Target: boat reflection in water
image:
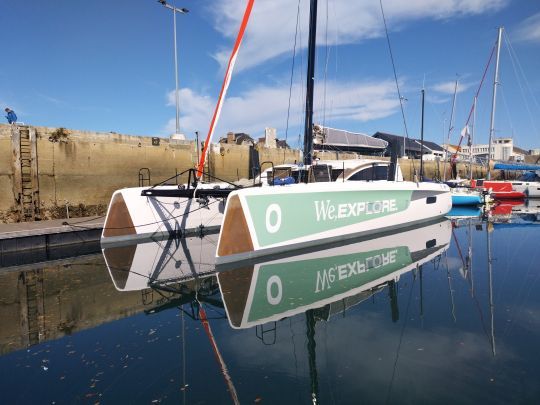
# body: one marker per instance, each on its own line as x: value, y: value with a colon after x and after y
x: 254, y: 293
x: 160, y: 262
x: 320, y: 283
x: 333, y: 279
x: 517, y: 212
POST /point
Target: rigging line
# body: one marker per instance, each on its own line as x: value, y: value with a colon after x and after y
x: 515, y: 57
x: 507, y: 110
x: 400, y: 341
x: 292, y: 70
x: 476, y: 95
x: 522, y: 91
x: 458, y: 247
x: 450, y: 288
x: 450, y: 126
x: 394, y: 70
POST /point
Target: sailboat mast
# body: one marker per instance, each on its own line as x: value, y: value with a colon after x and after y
x: 471, y: 139
x: 308, y: 127
x: 450, y: 128
x: 422, y: 138
x: 494, y: 102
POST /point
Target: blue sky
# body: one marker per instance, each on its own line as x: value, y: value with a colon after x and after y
x: 108, y: 66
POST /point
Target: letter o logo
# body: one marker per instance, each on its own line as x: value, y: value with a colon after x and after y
x: 273, y: 226
x: 274, y: 299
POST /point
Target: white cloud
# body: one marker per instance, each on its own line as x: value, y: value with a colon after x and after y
x: 195, y: 111
x: 449, y: 87
x: 529, y: 29
x: 270, y: 32
x: 266, y: 106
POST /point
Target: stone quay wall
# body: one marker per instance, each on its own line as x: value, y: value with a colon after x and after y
x: 81, y: 169
x: 77, y: 171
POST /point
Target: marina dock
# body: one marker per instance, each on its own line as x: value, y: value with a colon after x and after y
x: 41, y: 238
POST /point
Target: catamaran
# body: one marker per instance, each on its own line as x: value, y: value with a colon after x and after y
x: 312, y: 209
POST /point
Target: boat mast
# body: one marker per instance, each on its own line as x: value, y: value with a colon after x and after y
x: 422, y: 138
x: 493, y: 102
x: 471, y: 139
x: 450, y: 128
x: 308, y: 127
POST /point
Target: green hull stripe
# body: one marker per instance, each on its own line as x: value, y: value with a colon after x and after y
x: 311, y: 213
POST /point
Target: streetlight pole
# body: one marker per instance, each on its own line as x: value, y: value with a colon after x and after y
x: 181, y: 11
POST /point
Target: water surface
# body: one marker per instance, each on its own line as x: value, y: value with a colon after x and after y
x: 448, y: 312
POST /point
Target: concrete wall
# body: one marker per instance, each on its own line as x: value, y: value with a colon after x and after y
x: 86, y: 167
x: 6, y: 169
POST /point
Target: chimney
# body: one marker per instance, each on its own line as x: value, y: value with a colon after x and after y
x: 231, y: 137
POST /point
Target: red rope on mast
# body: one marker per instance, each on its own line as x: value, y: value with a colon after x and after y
x: 224, y: 86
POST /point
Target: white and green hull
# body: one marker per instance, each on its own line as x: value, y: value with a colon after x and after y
x: 260, y: 221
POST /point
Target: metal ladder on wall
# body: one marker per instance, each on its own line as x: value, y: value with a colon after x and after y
x: 25, y: 169
x: 32, y: 306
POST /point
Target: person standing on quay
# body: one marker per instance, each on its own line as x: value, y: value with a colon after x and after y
x: 11, y: 116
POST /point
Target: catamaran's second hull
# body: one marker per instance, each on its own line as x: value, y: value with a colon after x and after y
x: 132, y: 216
x: 260, y: 221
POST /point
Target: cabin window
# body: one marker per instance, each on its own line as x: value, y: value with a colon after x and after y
x: 371, y: 173
x: 431, y: 200
x: 431, y: 243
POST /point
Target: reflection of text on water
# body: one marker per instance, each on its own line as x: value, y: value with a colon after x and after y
x: 344, y: 271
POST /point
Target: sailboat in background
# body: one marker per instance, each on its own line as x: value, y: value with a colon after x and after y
x: 503, y: 189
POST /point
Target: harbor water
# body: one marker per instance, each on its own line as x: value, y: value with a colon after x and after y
x: 447, y: 312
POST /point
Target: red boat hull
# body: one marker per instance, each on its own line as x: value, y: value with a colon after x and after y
x: 500, y: 190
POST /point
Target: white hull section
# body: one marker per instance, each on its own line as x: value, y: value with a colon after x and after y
x: 260, y: 221
x: 132, y: 216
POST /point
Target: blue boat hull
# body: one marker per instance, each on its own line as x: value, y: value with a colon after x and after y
x: 466, y: 200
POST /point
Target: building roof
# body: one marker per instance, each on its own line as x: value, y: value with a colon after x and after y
x: 414, y: 145
x: 520, y: 151
x: 430, y: 145
x: 409, y: 143
x: 342, y: 139
x: 239, y: 138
